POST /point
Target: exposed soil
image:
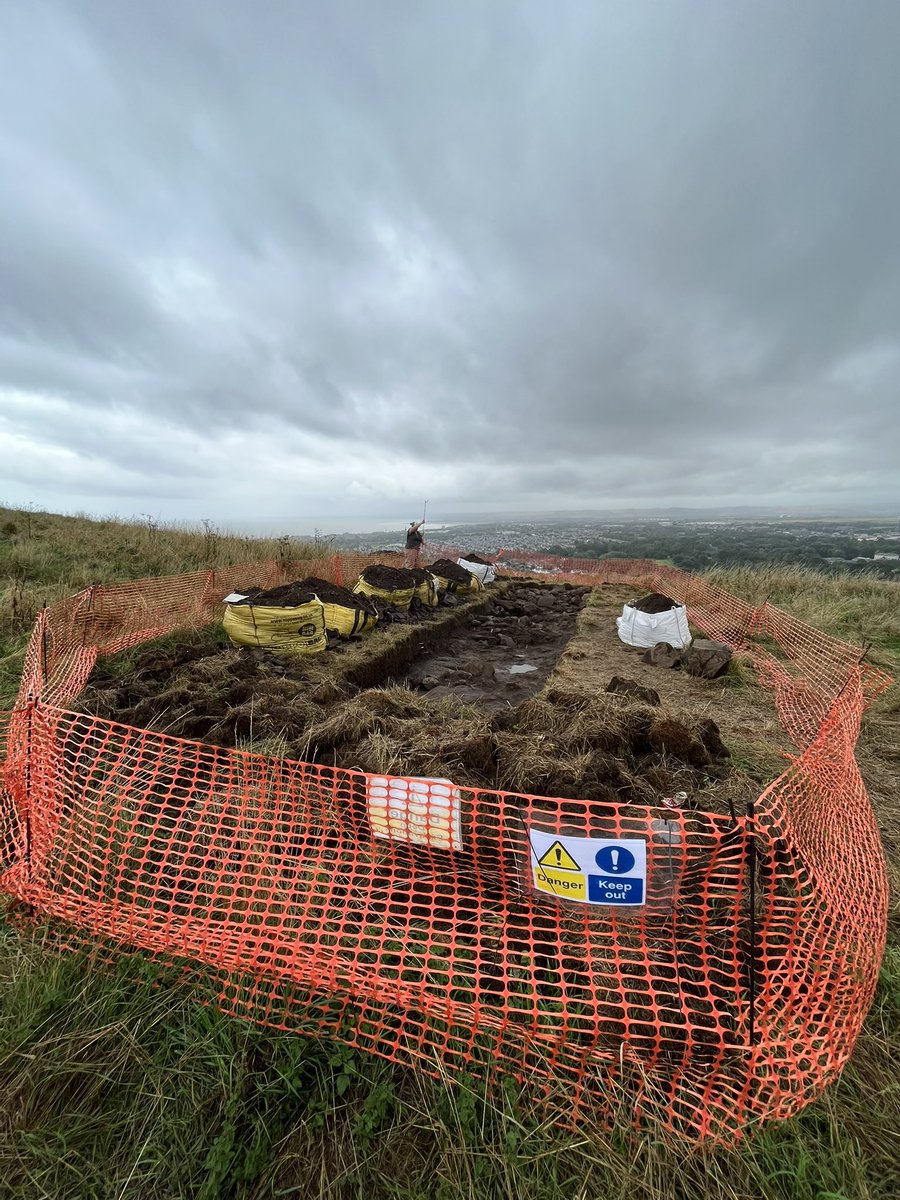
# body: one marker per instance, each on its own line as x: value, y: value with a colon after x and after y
x: 476, y: 558
x: 499, y: 657
x: 391, y: 579
x: 742, y: 709
x: 463, y: 714
x: 420, y: 575
x: 654, y: 603
x: 291, y: 595
x: 450, y: 570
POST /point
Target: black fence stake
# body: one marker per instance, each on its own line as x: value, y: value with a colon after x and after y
x: 44, y: 646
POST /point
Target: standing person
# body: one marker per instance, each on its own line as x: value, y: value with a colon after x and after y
x: 415, y: 539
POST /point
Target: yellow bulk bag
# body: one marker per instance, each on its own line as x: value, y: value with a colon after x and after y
x: 452, y: 577
x: 344, y: 613
x: 348, y: 622
x: 427, y: 591
x: 300, y: 630
x: 461, y: 589
x: 400, y: 597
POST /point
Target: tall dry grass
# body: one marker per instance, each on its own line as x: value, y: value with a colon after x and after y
x: 45, y: 557
x: 859, y: 608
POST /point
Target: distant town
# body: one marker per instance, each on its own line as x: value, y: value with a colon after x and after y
x: 835, y: 546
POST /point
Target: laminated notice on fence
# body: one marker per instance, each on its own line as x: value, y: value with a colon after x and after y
x: 589, y: 870
x: 425, y: 812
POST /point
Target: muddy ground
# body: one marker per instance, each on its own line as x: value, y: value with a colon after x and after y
x: 499, y: 657
x: 445, y: 700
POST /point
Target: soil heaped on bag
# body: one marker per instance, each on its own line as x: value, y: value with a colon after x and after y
x: 599, y: 749
x: 475, y: 558
x: 654, y: 603
x: 450, y: 570
x: 390, y: 579
x: 292, y: 595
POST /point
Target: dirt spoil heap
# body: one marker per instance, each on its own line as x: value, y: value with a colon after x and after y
x: 601, y: 748
x: 212, y: 693
x: 450, y: 570
x: 292, y: 595
x: 656, y: 602
x: 390, y: 579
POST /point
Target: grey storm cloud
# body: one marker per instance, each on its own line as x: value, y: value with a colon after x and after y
x: 509, y: 253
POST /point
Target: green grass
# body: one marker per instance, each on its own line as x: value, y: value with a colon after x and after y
x: 117, y: 1083
x: 45, y: 557
x: 859, y: 608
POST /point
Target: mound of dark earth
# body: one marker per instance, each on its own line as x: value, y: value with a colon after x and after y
x: 390, y: 579
x: 450, y: 570
x: 292, y: 595
x: 656, y: 602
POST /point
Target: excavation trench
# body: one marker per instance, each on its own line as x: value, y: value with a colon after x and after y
x: 499, y: 655
x: 463, y: 696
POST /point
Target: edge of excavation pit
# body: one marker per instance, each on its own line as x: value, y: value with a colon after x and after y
x: 401, y: 646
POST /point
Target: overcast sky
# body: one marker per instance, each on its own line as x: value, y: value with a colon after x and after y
x: 287, y: 259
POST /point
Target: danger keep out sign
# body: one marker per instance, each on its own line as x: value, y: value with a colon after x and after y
x: 589, y: 870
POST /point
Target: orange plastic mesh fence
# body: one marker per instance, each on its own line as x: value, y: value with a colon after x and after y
x: 311, y: 899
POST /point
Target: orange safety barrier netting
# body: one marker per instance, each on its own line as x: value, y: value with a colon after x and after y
x: 308, y: 898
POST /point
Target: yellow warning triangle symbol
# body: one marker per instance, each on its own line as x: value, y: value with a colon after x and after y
x: 559, y: 858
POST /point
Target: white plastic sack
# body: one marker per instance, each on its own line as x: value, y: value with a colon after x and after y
x: 483, y: 571
x: 642, y: 629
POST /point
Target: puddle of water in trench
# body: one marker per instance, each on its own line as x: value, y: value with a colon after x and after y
x: 520, y: 668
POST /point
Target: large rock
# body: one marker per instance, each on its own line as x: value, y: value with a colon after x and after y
x: 430, y: 675
x: 628, y: 687
x: 707, y: 659
x: 663, y: 655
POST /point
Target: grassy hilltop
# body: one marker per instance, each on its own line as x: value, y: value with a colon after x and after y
x: 115, y: 1086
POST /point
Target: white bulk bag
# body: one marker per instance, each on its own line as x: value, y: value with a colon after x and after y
x: 483, y: 571
x: 642, y: 629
